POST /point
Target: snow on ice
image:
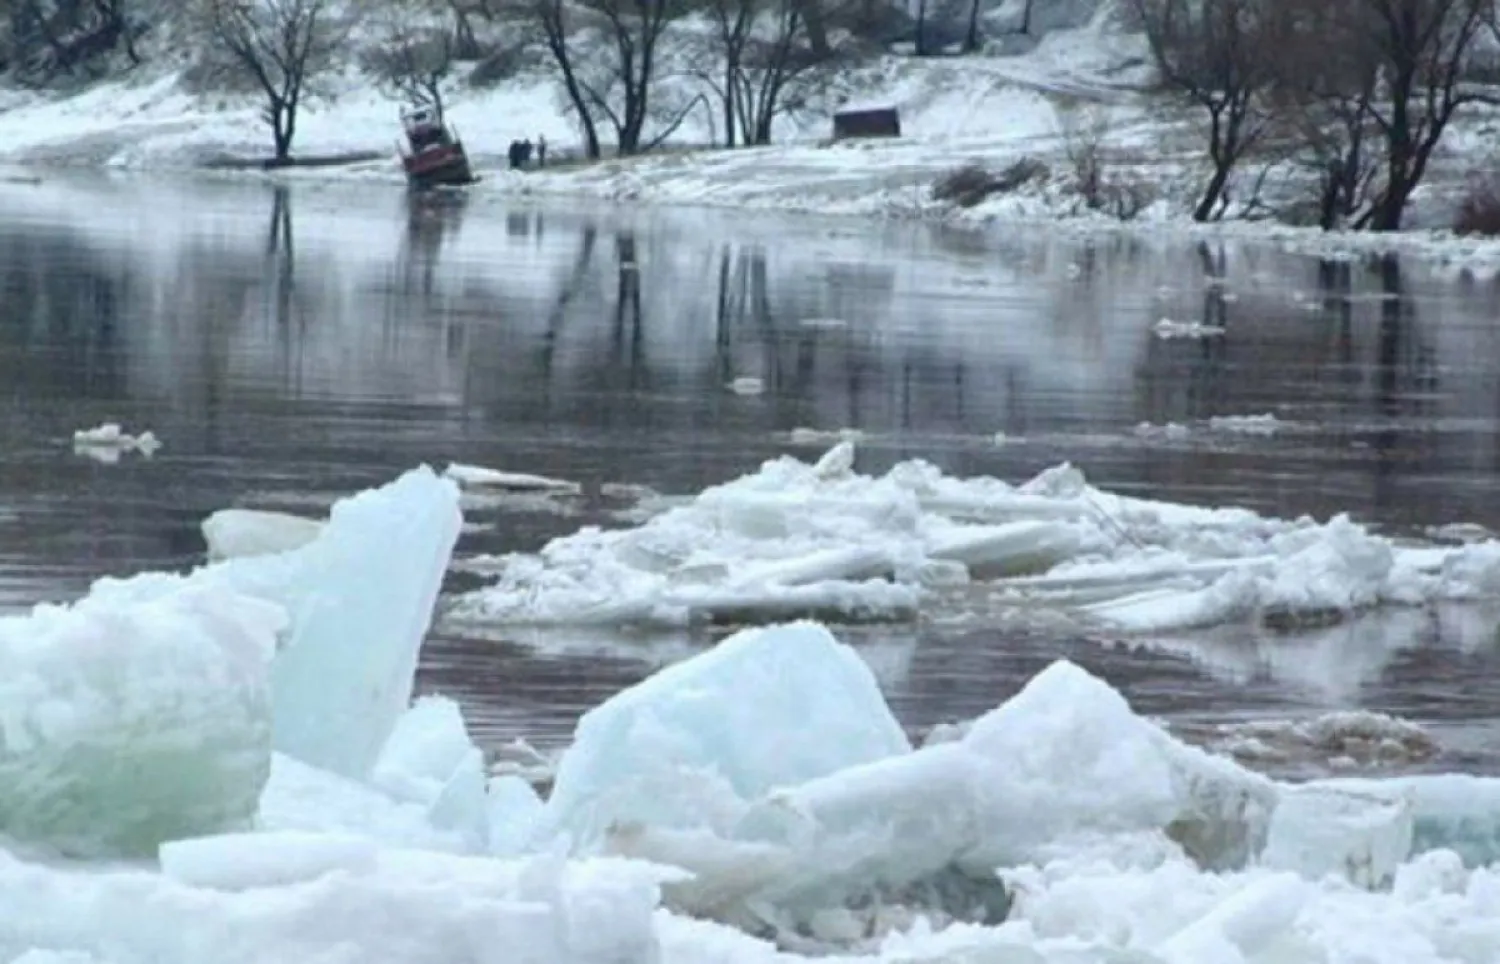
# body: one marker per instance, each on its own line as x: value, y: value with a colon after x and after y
x: 818, y: 539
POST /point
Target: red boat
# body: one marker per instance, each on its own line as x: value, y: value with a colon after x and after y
x: 435, y: 155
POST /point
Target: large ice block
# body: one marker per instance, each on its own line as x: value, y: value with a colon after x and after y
x: 1065, y: 756
x: 690, y: 745
x: 1050, y: 749
x: 1362, y: 836
x: 368, y: 585
x: 360, y: 597
x: 129, y: 723
x: 1450, y: 811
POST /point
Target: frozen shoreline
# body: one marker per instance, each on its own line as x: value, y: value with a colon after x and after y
x: 992, y: 111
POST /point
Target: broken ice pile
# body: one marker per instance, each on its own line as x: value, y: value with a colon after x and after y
x: 149, y: 709
x: 715, y: 765
x: 820, y: 540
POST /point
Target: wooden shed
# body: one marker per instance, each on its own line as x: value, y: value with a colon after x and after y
x: 866, y: 122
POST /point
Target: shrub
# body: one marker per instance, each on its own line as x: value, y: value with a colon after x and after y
x: 1479, y: 211
x: 970, y: 184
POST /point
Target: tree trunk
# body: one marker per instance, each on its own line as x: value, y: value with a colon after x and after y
x: 971, y: 40
x: 1213, y: 192
x: 817, y: 27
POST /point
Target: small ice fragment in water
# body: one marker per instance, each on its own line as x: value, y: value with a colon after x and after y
x: 105, y: 443
x: 1172, y: 431
x: 1264, y: 424
x: 1166, y: 328
x: 813, y: 436
x: 747, y: 385
x: 478, y: 476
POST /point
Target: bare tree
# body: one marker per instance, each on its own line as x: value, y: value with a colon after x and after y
x: 608, y: 53
x: 557, y: 22
x: 1423, y: 47
x: 1327, y: 80
x: 414, y: 58
x: 48, y: 39
x: 762, y: 64
x: 1215, y: 55
x: 280, y: 45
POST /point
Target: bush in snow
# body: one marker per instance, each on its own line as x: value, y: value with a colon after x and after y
x: 969, y: 185
x: 1479, y: 211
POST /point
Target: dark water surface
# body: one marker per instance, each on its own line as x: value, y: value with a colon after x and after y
x: 292, y: 346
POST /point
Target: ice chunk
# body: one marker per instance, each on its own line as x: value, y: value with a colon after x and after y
x: 1024, y: 777
x: 1363, y: 836
x: 686, y: 747
x: 301, y: 798
x: 361, y: 597
x: 515, y: 813
x: 993, y: 551
x: 231, y: 533
x: 886, y: 823
x: 107, y: 442
x: 1450, y: 811
x: 124, y: 726
x: 371, y: 581
x: 1067, y: 733
x: 242, y: 861
x: 431, y: 761
x: 479, y: 476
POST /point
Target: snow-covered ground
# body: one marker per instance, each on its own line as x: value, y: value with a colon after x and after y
x: 986, y: 110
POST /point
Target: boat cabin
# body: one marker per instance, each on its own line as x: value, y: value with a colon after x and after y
x: 424, y: 129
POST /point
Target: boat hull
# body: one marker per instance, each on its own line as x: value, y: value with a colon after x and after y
x: 442, y: 166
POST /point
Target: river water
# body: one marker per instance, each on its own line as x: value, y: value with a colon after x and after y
x: 292, y: 345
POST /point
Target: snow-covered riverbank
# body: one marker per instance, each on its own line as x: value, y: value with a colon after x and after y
x: 988, y: 112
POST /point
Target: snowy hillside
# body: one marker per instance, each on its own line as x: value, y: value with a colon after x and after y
x: 1035, y: 112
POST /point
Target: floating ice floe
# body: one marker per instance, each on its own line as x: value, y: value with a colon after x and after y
x: 1166, y: 329
x: 1348, y: 738
x: 819, y: 540
x: 1171, y: 431
x: 107, y: 442
x: 235, y: 533
x: 480, y: 477
x: 1263, y: 424
x: 814, y: 436
x: 747, y: 385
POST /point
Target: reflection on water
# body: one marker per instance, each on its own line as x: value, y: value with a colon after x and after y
x: 292, y: 344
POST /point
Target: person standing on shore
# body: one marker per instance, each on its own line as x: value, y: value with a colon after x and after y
x: 541, y: 150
